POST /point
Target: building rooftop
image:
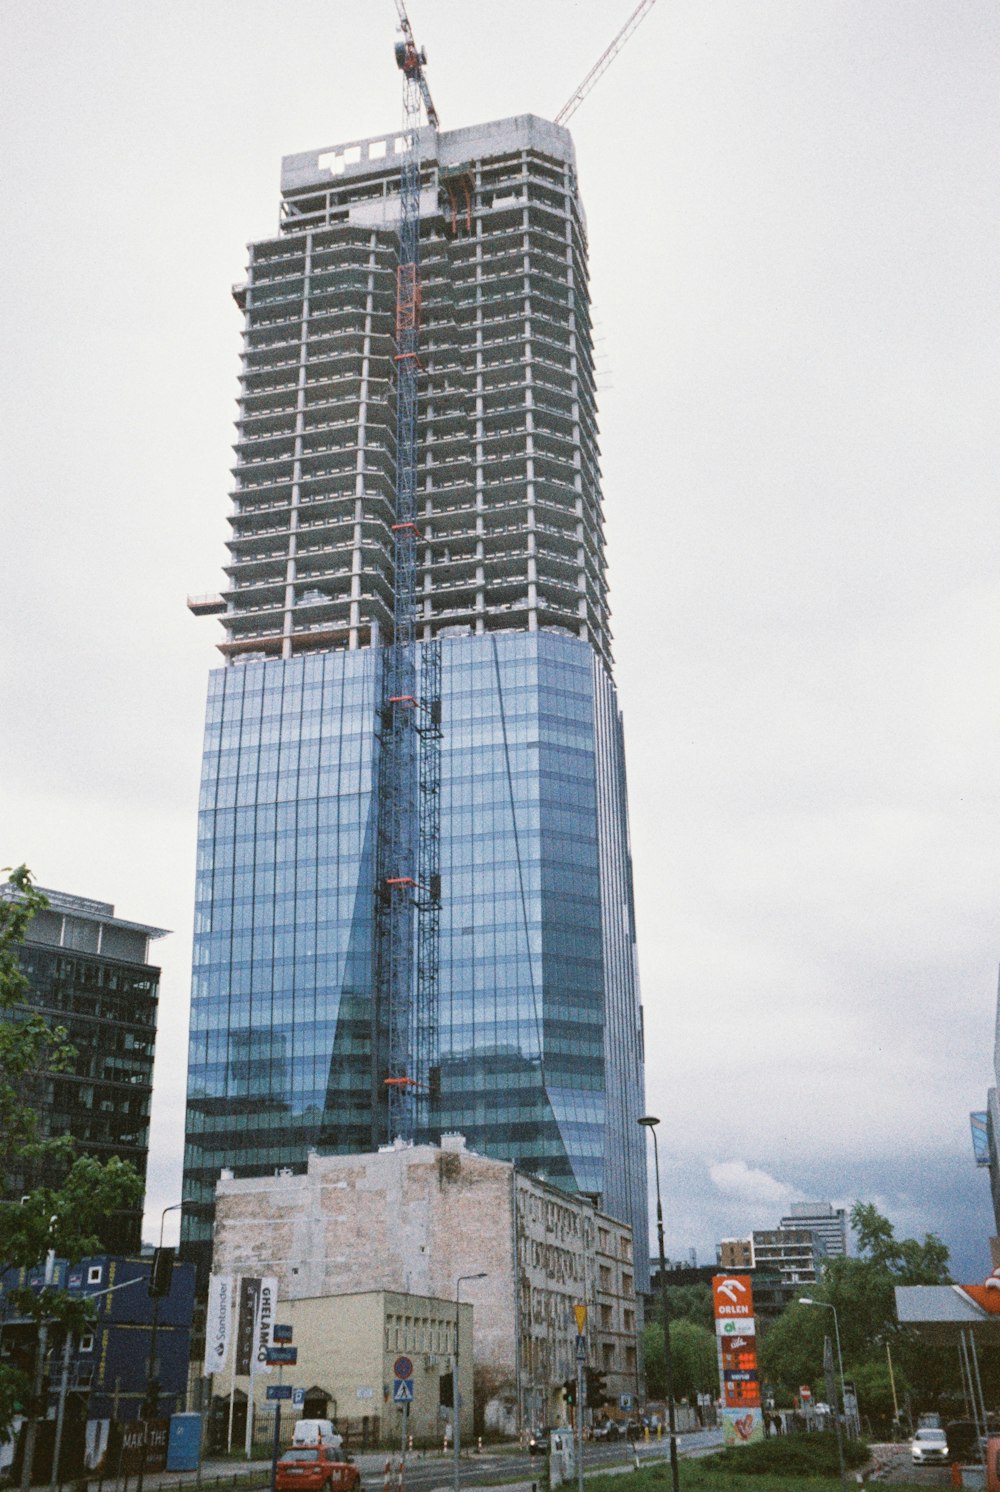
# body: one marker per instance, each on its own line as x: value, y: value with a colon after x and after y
x: 449, y: 148
x: 85, y: 925
x: 85, y: 907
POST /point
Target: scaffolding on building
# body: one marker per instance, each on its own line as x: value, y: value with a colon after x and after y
x: 408, y: 872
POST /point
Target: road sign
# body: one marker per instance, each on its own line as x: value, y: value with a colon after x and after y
x: 281, y: 1334
x: 402, y: 1368
x: 581, y: 1349
x: 298, y: 1397
x: 279, y: 1390
x: 402, y: 1390
x: 580, y: 1312
x: 286, y: 1356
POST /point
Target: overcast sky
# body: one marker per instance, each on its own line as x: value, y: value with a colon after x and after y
x: 793, y: 210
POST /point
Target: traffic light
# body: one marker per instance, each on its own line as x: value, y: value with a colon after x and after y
x: 160, y: 1273
x: 597, y: 1388
x: 569, y: 1392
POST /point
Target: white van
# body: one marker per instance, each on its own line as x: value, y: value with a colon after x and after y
x: 316, y: 1432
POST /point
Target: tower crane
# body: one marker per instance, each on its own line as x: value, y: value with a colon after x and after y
x: 407, y: 870
x: 407, y: 903
x: 412, y: 61
x: 603, y: 62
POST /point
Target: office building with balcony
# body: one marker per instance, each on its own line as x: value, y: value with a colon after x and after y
x: 829, y: 1224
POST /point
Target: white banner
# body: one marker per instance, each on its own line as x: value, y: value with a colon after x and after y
x: 741, y: 1326
x: 267, y: 1302
x: 218, y: 1322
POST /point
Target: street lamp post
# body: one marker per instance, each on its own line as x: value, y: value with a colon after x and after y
x: 152, y: 1404
x: 456, y: 1397
x: 650, y: 1123
x: 828, y: 1305
x: 153, y: 1377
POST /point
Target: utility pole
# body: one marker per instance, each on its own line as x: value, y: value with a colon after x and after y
x: 27, y: 1465
x: 54, y: 1479
x: 455, y: 1393
x: 650, y: 1123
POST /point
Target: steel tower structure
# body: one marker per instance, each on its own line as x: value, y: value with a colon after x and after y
x: 408, y: 879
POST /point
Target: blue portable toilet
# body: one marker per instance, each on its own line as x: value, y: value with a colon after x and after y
x: 184, y: 1443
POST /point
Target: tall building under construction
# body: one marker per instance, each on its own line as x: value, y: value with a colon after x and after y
x: 536, y: 1042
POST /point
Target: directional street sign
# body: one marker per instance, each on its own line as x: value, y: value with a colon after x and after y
x: 402, y: 1391
x: 287, y: 1356
x: 402, y: 1368
x: 279, y: 1390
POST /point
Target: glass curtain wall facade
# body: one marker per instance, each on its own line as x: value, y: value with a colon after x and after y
x: 539, y: 1045
x: 89, y: 971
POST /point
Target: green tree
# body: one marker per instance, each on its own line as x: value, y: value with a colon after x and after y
x: 909, y: 1262
x: 652, y: 1356
x: 873, y: 1384
x: 862, y: 1289
x: 63, y: 1217
x: 693, y: 1357
x: 691, y: 1303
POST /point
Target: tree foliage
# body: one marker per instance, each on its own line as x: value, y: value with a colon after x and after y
x: 693, y: 1357
x: 65, y: 1216
x: 28, y: 1044
x: 691, y: 1303
x: 862, y: 1289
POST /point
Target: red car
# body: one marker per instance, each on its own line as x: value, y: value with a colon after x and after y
x: 315, y: 1467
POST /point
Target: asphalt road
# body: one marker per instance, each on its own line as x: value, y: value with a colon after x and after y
x: 901, y: 1469
x: 490, y: 1467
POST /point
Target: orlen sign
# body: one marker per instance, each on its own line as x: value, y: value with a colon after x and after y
x: 732, y: 1295
x: 986, y: 1295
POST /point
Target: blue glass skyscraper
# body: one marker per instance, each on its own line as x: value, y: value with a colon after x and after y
x: 539, y: 1030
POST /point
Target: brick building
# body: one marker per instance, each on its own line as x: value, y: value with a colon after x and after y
x: 413, y: 1220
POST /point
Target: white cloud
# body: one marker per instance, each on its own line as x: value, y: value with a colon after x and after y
x: 748, y: 1184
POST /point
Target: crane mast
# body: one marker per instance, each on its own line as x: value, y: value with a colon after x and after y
x: 408, y: 876
x: 405, y: 1074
